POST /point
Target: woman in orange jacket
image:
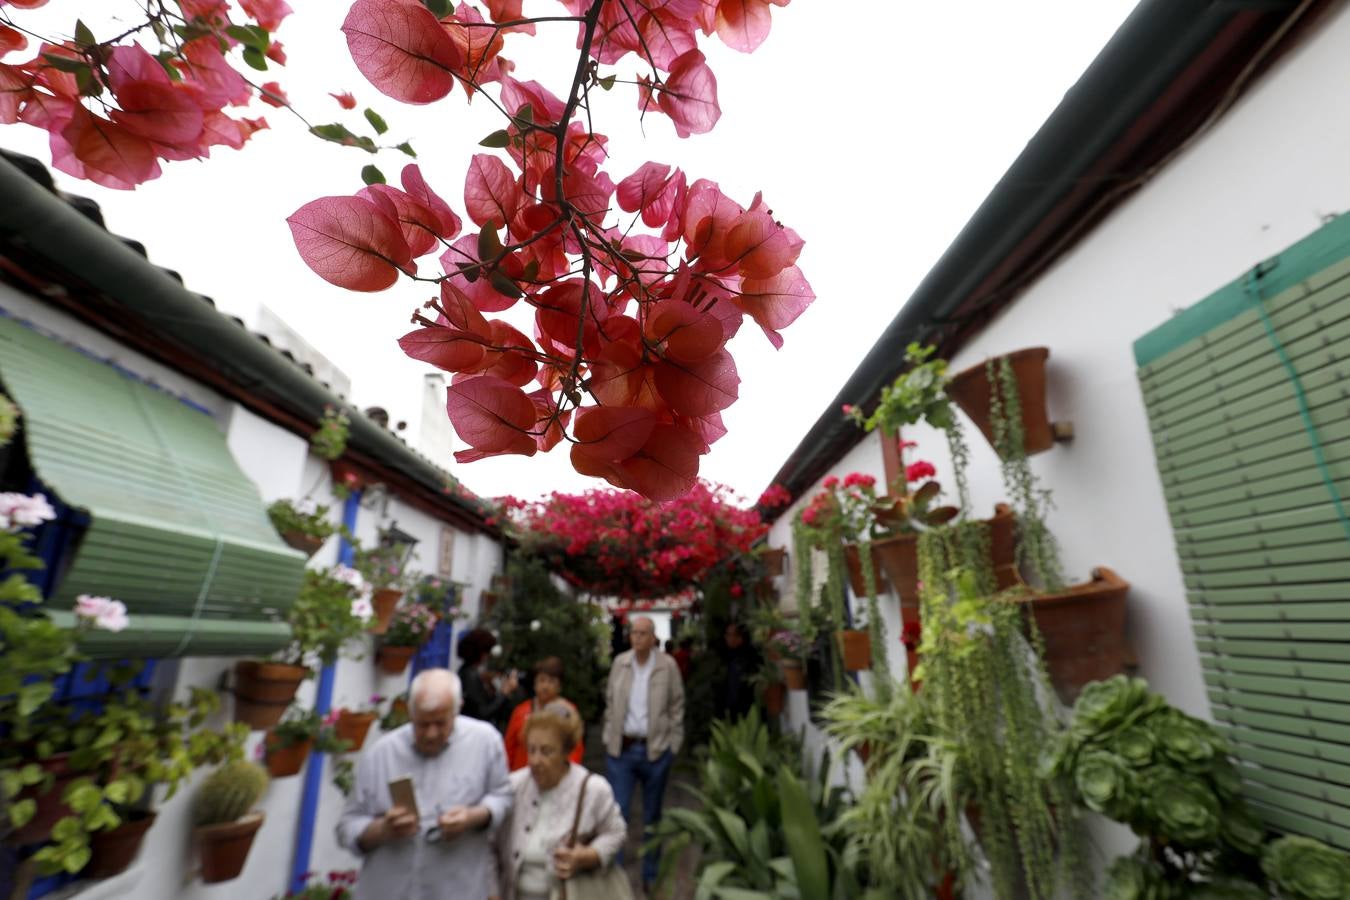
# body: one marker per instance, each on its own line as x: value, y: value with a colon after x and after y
x: 548, y: 675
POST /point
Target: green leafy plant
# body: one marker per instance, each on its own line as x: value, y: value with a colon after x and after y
x: 1301, y: 868
x: 300, y: 726
x: 229, y: 793
x: 331, y: 610
x: 397, y: 714
x: 983, y: 681
x: 1133, y: 758
x: 383, y: 568
x: 896, y: 824
x: 330, y: 440
x: 302, y: 517
x: 411, y: 626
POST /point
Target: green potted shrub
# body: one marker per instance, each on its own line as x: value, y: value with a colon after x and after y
x: 224, y: 819
x: 302, y: 524
x: 289, y: 742
x: 331, y: 610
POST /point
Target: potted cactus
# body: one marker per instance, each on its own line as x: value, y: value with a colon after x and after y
x: 225, y: 824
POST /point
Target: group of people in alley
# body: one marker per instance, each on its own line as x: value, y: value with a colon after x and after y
x: 445, y: 807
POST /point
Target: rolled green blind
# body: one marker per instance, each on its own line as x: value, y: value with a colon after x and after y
x: 177, y: 531
x: 1248, y: 400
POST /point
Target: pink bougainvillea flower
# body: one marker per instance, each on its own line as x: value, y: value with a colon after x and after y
x: 402, y: 49
x: 267, y: 13
x: 744, y: 24
x: 11, y: 40
x: 344, y: 99
x: 276, y: 53
x: 349, y: 242
x: 272, y: 94
x: 688, y: 95
x: 492, y: 416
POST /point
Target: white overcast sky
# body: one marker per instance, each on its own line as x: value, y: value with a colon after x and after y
x: 873, y: 127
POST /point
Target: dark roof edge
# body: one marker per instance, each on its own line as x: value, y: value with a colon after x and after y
x: 219, y: 352
x: 1165, y: 51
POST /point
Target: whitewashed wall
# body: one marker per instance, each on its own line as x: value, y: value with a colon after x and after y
x: 1267, y: 175
x: 280, y: 464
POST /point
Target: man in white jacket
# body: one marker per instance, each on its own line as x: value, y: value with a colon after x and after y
x: 457, y: 766
x: 644, y: 728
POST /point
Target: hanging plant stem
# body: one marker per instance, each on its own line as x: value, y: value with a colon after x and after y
x: 876, y: 629
x: 1036, y: 547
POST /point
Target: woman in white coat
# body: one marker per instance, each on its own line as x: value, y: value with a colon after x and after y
x: 534, y: 853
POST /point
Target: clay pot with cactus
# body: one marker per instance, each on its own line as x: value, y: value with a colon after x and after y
x: 225, y: 820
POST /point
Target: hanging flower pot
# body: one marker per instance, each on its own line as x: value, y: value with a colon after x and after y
x: 1083, y: 627
x: 352, y: 727
x: 285, y: 761
x: 385, y: 601
x: 394, y: 660
x: 50, y: 807
x: 111, y: 852
x: 775, y: 696
x: 307, y: 544
x: 856, y: 649
x: 224, y: 848
x: 1003, y: 546
x: 853, y: 557
x: 971, y: 390
x: 263, y: 690
x: 794, y: 675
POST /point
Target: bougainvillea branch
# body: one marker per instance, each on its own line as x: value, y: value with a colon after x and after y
x: 628, y: 359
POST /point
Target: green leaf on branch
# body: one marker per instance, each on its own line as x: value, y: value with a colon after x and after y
x: 441, y: 8
x: 32, y: 696
x: 498, y: 139
x: 341, y: 134
x: 22, y: 812
x: 489, y: 244
x: 524, y: 116
x: 254, y: 57
x: 190, y: 32
x: 250, y: 36
x: 407, y: 148
x: 376, y: 121
x: 65, y: 63
x: 83, y: 36
x: 607, y: 83
x: 89, y: 85
x: 505, y: 286
x: 372, y: 175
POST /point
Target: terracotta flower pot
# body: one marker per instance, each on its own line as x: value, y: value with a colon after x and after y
x: 224, y: 848
x: 111, y: 852
x: 1083, y: 627
x: 282, y: 762
x: 385, y: 601
x: 353, y: 727
x: 970, y: 389
x: 305, y: 543
x: 263, y: 690
x: 393, y: 660
x: 775, y: 695
x: 856, y: 649
x: 50, y: 807
x: 794, y: 676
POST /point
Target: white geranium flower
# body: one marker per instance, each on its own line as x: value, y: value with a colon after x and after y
x: 361, y: 609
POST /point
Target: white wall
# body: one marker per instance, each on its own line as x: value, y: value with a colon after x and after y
x: 280, y: 464
x: 1264, y: 177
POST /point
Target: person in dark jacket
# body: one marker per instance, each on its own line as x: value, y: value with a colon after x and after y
x: 736, y: 694
x: 486, y: 697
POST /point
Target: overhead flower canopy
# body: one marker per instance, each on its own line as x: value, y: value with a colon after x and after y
x: 619, y: 544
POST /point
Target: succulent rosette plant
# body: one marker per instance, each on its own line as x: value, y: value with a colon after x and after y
x: 1106, y: 784
x: 1132, y: 878
x: 1304, y: 869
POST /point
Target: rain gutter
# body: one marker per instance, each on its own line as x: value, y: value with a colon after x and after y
x: 1157, y: 80
x: 146, y: 308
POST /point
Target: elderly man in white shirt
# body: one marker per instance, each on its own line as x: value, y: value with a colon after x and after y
x: 644, y: 727
x: 457, y: 766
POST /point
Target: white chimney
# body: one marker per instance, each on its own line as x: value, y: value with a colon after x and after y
x: 284, y: 337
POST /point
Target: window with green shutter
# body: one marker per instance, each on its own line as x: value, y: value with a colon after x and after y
x: 176, y: 531
x: 1248, y: 399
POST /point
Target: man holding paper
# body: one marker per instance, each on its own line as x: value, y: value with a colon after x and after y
x: 427, y: 798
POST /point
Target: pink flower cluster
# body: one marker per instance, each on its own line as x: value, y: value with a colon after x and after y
x: 101, y: 612
x: 774, y: 496
x: 24, y: 511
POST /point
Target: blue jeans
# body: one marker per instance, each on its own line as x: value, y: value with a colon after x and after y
x: 624, y: 772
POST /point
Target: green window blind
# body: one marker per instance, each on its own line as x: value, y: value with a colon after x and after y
x: 1248, y: 400
x: 177, y: 532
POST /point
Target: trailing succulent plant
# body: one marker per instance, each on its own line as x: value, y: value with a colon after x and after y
x: 229, y: 793
x: 1301, y: 868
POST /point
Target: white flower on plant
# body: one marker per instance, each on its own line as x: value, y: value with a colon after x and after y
x: 349, y: 576
x: 496, y: 650
x: 21, y: 510
x: 361, y: 609
x: 101, y: 612
x: 535, y: 624
x: 306, y: 507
